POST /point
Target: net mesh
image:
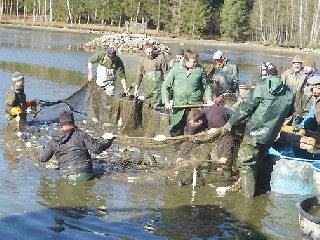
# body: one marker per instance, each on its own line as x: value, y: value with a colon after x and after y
x: 136, y: 155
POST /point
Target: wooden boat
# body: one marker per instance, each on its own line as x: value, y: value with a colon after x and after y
x: 309, y: 209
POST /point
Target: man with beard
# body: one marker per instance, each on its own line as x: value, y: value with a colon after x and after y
x: 16, y: 104
x: 295, y: 78
x: 151, y: 71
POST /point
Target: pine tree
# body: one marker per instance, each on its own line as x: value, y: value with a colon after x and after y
x: 234, y: 17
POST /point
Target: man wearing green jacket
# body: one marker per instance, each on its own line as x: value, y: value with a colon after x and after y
x: 265, y: 112
x: 186, y: 83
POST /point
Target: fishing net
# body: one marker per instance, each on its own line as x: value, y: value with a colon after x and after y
x: 137, y: 155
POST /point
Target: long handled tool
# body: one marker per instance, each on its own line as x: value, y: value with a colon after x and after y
x: 185, y: 106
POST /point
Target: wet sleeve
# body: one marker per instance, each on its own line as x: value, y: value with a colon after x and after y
x: 140, y: 72
x: 248, y: 108
x: 93, y: 145
x: 167, y: 85
x: 47, y: 153
x: 164, y: 65
x: 120, y: 69
x: 9, y: 102
x: 206, y: 85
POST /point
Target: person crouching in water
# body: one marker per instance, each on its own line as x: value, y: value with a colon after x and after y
x: 71, y: 147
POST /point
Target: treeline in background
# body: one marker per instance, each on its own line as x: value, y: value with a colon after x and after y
x: 291, y: 23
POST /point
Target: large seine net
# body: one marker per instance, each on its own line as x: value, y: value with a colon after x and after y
x: 136, y: 155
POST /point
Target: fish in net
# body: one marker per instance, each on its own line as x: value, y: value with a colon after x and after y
x: 137, y: 155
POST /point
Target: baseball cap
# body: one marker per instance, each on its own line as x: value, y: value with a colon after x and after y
x: 217, y: 55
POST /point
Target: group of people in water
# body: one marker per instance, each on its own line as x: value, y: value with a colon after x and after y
x: 183, y: 81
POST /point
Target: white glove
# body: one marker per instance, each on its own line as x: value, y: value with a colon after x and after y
x: 108, y: 135
x: 29, y: 110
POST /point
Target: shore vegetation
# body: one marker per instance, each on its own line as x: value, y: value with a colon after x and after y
x: 284, y: 23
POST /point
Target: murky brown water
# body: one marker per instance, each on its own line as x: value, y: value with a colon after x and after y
x: 35, y: 204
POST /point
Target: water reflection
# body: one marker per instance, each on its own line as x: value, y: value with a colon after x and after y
x: 36, y: 205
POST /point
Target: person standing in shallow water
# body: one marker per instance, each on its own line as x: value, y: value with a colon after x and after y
x: 16, y: 103
x: 295, y: 78
x: 110, y: 66
x: 151, y: 71
x: 71, y: 147
x: 265, y: 111
x: 186, y: 83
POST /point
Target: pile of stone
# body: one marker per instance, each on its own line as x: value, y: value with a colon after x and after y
x: 126, y: 43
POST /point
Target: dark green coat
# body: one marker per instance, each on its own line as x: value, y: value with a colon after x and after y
x: 187, y: 87
x: 116, y: 64
x: 266, y: 110
x: 16, y: 98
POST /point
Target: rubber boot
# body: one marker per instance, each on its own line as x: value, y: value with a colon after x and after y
x: 247, y: 184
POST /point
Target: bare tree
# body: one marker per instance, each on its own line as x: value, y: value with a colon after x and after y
x: 159, y: 15
x: 69, y: 12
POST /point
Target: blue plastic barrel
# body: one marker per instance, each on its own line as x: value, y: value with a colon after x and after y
x: 316, y: 176
x: 291, y: 176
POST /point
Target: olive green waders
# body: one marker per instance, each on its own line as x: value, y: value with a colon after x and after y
x: 250, y: 156
x: 78, y: 177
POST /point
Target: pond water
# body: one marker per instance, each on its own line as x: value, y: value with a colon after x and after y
x: 35, y: 204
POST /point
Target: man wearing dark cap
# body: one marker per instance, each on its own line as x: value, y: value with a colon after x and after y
x: 109, y: 67
x: 295, y: 78
x: 72, y: 147
x: 16, y: 104
x: 265, y: 112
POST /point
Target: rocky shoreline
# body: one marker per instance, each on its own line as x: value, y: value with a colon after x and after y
x: 126, y: 43
x: 159, y: 39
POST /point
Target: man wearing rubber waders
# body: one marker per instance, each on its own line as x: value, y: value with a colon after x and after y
x: 16, y: 104
x: 188, y: 82
x: 264, y: 112
x: 109, y: 67
x: 151, y: 71
x: 72, y: 147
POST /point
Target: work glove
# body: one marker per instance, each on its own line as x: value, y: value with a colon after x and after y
x: 226, y: 128
x: 108, y: 136
x: 31, y: 103
x: 298, y: 127
x: 216, y: 100
x: 16, y: 111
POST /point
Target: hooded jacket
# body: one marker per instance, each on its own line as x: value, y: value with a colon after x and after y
x: 16, y: 98
x: 71, y: 149
x: 266, y: 110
